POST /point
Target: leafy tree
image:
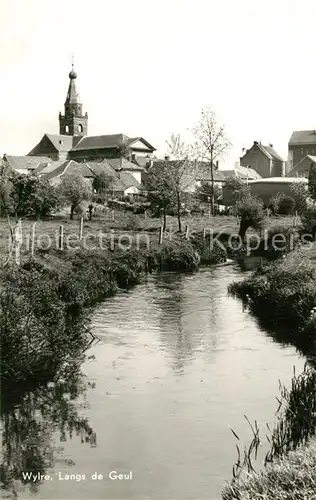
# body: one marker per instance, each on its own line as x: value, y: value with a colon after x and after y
x: 159, y: 192
x: 74, y: 189
x: 204, y: 192
x: 299, y: 194
x: 312, y: 182
x: 5, y: 190
x: 275, y: 203
x: 211, y: 144
x: 102, y: 182
x: 251, y: 212
x: 238, y: 188
x: 30, y: 195
x: 167, y: 178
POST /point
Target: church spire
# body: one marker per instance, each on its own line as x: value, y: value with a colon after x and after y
x: 73, y: 122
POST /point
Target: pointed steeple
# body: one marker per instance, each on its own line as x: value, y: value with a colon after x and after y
x: 73, y: 122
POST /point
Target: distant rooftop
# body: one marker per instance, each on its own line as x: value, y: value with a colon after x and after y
x: 301, y: 137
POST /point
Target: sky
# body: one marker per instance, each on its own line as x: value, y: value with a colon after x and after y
x: 147, y: 68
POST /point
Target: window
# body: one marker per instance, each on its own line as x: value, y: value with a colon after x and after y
x: 80, y: 128
x: 67, y: 129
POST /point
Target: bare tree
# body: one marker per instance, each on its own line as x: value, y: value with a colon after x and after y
x: 211, y: 144
x: 179, y: 169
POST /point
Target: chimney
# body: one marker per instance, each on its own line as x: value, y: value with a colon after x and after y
x: 271, y: 145
x: 134, y: 157
x: 167, y: 157
x: 217, y: 165
x: 255, y: 143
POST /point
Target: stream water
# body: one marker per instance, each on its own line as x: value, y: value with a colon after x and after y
x: 178, y: 365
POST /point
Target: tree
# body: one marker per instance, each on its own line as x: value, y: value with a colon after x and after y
x: 204, y: 192
x: 299, y: 194
x: 211, y: 144
x: 312, y: 182
x: 239, y: 189
x: 251, y: 212
x: 178, y: 170
x: 167, y: 178
x: 75, y: 189
x: 5, y: 191
x: 31, y: 196
x: 159, y: 192
x: 102, y: 182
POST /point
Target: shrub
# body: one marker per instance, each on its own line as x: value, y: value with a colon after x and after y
x: 251, y: 213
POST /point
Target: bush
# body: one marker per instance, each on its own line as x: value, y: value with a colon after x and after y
x: 284, y: 290
x: 287, y: 205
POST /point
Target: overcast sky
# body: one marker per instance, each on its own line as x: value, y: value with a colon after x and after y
x: 147, y: 67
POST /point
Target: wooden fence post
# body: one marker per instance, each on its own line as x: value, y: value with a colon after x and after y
x: 187, y: 232
x: 294, y: 220
x: 145, y: 214
x: 113, y: 215
x: 61, y: 237
x: 204, y: 233
x: 160, y: 235
x: 32, y: 238
x: 81, y: 229
x: 18, y: 238
x: 209, y: 214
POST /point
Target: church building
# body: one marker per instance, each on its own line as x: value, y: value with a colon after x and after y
x: 73, y: 142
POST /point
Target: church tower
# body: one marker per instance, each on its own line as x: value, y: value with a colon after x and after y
x: 73, y: 122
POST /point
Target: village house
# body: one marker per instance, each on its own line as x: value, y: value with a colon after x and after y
x: 264, y: 160
x: 303, y: 167
x: 301, y: 144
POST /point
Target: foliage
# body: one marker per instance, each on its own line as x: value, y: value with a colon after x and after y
x: 204, y: 192
x: 285, y: 288
x: 274, y: 203
x: 160, y: 193
x: 287, y: 204
x: 251, y: 212
x: 211, y: 144
x: 166, y: 180
x: 29, y: 195
x: 312, y: 182
x: 238, y: 188
x: 309, y: 219
x: 74, y: 189
x: 102, y: 183
x: 299, y: 194
x: 5, y: 190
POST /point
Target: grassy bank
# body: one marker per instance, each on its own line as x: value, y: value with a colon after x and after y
x: 283, y: 293
x: 43, y: 304
x: 290, y: 464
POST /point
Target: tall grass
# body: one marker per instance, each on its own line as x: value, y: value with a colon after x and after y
x: 295, y: 426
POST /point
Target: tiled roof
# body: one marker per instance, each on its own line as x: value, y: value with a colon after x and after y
x: 62, y: 143
x: 67, y: 167
x: 125, y: 164
x: 129, y: 180
x: 25, y: 162
x: 101, y: 141
x: 241, y: 173
x: 297, y: 167
x: 270, y: 152
x: 108, y: 141
x: 301, y: 137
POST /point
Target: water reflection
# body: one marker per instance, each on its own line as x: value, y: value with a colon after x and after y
x: 29, y: 418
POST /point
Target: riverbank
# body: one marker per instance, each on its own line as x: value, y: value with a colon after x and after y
x: 283, y: 293
x: 290, y: 478
x: 44, y: 304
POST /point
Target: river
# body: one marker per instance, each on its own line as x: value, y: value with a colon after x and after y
x: 177, y: 366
